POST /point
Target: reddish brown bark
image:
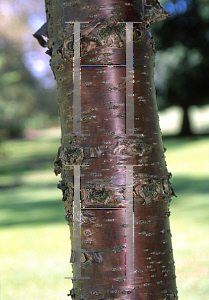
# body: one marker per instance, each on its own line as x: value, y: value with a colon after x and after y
x: 108, y: 150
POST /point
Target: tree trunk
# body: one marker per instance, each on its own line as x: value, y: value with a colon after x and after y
x: 185, y: 129
x: 111, y: 154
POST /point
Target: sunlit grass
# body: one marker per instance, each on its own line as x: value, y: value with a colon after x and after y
x: 188, y: 159
x: 34, y: 262
x: 35, y: 246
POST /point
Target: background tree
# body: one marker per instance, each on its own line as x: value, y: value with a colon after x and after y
x: 183, y: 57
x: 111, y: 155
x: 16, y: 92
x: 26, y: 99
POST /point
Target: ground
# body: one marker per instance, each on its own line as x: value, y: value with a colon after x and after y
x: 35, y: 245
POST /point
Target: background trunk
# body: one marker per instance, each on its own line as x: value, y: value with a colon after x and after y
x: 109, y: 151
x: 186, y: 128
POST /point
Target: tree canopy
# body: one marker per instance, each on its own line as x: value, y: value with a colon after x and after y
x: 26, y: 99
x: 182, y: 63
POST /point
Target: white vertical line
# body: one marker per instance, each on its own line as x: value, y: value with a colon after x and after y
x: 77, y: 222
x: 129, y: 222
x: 76, y: 81
x: 129, y: 79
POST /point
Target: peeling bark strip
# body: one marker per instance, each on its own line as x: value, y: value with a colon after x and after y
x: 104, y: 150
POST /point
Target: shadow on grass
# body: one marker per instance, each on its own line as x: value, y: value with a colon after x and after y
x: 34, y: 206
x: 18, y: 168
x: 190, y: 186
x: 40, y: 203
x: 43, y: 212
x: 192, y: 200
x: 24, y: 212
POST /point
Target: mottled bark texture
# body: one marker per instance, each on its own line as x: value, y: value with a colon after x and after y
x: 106, y: 149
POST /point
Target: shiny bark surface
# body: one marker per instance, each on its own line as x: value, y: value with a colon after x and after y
x: 104, y: 149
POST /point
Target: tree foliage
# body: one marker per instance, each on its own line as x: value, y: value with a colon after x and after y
x: 24, y: 102
x: 16, y: 92
x: 182, y: 64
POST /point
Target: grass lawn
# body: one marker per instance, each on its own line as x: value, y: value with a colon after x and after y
x: 188, y: 160
x: 35, y: 246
